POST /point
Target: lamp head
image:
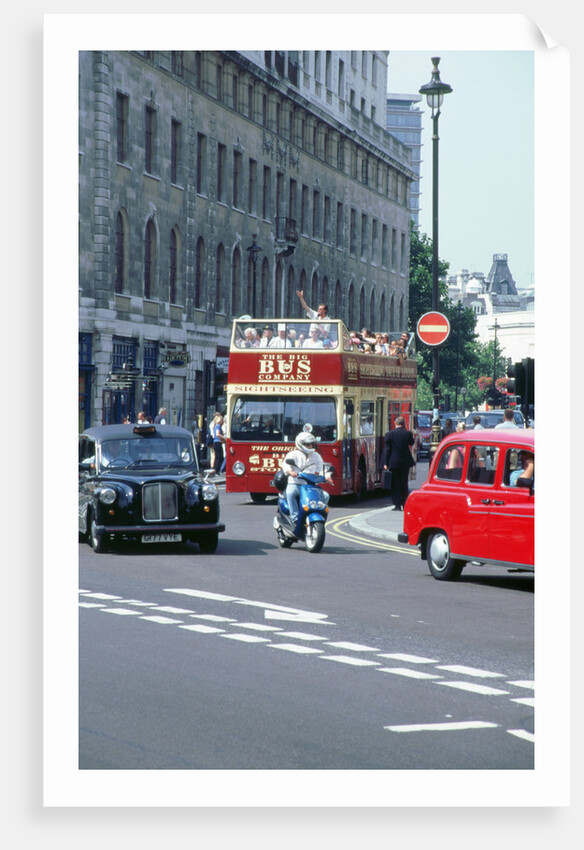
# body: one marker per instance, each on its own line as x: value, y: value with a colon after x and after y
x: 435, y: 90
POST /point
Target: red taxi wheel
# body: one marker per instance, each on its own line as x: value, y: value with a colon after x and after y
x: 442, y: 566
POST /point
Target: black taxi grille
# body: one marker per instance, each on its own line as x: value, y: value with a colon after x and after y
x: 159, y: 502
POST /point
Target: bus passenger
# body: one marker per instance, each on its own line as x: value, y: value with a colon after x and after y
x: 321, y: 313
x: 280, y: 340
x: 314, y: 340
x: 267, y: 340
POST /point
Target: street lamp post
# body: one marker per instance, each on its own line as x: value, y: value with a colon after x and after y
x: 254, y: 249
x: 434, y: 92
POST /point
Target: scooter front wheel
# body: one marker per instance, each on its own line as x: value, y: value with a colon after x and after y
x: 314, y: 537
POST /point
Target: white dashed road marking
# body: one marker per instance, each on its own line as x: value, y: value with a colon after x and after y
x: 404, y: 671
x: 469, y: 671
x: 475, y: 689
x: 443, y: 727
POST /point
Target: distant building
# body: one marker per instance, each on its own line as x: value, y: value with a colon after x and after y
x: 189, y: 159
x: 403, y: 119
x: 496, y: 298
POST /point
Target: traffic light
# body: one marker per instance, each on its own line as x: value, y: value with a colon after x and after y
x: 512, y: 386
x: 528, y: 365
x: 517, y: 372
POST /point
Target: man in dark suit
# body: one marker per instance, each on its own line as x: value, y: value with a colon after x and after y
x: 398, y: 458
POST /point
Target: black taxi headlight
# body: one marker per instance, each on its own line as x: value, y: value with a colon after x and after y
x: 107, y: 496
x: 209, y: 492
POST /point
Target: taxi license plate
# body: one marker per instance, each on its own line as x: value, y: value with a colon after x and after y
x: 161, y: 538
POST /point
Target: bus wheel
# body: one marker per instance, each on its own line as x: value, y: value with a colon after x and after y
x: 361, y: 483
x: 258, y: 498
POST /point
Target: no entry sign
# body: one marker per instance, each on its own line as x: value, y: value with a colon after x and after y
x: 433, y: 328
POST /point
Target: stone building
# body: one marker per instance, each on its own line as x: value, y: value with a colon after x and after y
x: 216, y: 184
x: 503, y: 311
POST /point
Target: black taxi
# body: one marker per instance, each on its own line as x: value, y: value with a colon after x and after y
x: 143, y: 483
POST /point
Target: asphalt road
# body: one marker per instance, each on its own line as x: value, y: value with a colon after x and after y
x: 262, y: 658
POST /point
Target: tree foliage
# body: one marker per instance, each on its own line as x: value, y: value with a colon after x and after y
x: 463, y: 358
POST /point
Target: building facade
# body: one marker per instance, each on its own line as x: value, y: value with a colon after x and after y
x: 404, y: 121
x: 217, y: 184
x: 503, y: 311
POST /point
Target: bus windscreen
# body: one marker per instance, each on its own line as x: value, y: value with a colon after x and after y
x: 281, y: 418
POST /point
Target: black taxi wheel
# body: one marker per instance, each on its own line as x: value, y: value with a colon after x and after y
x: 95, y: 538
x: 440, y: 563
x: 208, y: 542
x: 258, y: 498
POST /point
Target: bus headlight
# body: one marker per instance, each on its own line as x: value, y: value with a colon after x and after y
x: 238, y: 467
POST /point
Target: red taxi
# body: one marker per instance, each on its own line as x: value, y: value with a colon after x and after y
x: 477, y: 503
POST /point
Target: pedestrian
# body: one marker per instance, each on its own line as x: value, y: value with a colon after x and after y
x: 397, y: 457
x: 415, y: 449
x: 218, y: 441
x: 508, y: 419
x: 476, y: 423
x: 160, y: 419
x: 142, y: 418
x: 448, y: 429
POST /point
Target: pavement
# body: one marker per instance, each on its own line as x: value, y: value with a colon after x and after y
x: 385, y: 524
x: 382, y: 524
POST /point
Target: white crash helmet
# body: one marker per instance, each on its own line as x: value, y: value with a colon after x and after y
x: 306, y: 442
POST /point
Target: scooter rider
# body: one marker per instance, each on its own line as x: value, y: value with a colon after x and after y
x: 304, y: 458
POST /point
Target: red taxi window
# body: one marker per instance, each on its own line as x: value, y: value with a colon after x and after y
x: 482, y: 465
x: 450, y: 464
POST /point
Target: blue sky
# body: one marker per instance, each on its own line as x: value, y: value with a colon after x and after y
x: 486, y: 155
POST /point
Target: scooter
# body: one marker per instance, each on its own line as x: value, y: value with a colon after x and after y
x: 312, y: 515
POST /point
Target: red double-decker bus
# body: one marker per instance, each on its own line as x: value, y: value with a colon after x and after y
x: 294, y: 378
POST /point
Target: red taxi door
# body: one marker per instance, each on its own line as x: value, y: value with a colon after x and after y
x: 512, y: 519
x: 479, y: 488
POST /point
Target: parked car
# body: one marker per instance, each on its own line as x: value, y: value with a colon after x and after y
x: 423, y: 423
x: 477, y: 503
x: 143, y: 483
x: 490, y: 418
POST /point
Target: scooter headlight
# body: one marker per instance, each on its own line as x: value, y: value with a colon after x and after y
x: 317, y: 504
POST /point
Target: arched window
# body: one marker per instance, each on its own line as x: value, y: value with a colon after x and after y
x: 173, y: 267
x: 235, y: 281
x: 382, y: 318
x: 291, y: 298
x: 392, y: 314
x: 264, y: 304
x: 325, y: 293
x: 314, y: 296
x: 279, y: 305
x: 199, y: 273
x: 338, y: 314
x: 362, y: 308
x: 219, y: 273
x: 351, y: 300
x: 149, y: 259
x: 401, y: 315
x: 373, y: 317
x: 121, y: 275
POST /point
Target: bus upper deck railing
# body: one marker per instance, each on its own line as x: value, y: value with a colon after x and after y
x: 328, y: 335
